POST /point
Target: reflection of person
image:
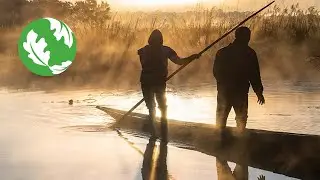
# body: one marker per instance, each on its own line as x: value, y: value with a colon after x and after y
x: 158, y: 170
x: 235, y: 68
x: 224, y: 171
x: 147, y: 164
x: 162, y: 168
x: 240, y: 172
x: 155, y: 170
x: 154, y: 61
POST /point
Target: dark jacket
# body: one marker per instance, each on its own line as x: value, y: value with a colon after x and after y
x: 154, y: 62
x: 235, y: 68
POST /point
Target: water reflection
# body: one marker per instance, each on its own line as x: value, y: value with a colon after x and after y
x: 154, y: 165
x: 240, y: 172
x: 148, y: 165
x: 224, y: 172
x: 22, y: 116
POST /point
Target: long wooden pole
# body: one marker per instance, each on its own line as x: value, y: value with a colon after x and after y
x: 203, y: 51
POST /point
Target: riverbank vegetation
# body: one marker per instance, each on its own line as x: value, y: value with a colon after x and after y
x: 284, y: 38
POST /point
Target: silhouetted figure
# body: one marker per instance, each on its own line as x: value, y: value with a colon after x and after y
x: 224, y: 171
x: 154, y: 61
x: 235, y: 68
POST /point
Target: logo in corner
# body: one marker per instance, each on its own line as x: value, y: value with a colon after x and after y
x: 47, y: 47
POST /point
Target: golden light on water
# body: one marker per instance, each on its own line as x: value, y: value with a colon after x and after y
x: 193, y: 104
x: 190, y: 109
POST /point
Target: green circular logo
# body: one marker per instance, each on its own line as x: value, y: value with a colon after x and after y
x: 47, y: 47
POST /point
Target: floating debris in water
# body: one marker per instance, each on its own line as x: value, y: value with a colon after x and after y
x: 314, y: 107
x: 70, y: 102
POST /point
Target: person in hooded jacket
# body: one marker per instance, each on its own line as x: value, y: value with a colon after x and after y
x: 154, y: 61
x: 236, y: 67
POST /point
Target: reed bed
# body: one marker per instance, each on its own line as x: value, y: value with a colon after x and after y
x: 284, y: 39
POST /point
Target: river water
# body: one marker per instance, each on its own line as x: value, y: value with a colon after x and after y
x: 37, y: 141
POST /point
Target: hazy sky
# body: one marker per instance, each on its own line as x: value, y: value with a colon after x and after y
x: 184, y: 4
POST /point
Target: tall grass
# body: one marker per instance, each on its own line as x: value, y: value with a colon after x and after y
x: 108, y: 43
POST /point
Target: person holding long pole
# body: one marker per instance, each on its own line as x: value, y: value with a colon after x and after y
x: 154, y: 61
x: 170, y: 52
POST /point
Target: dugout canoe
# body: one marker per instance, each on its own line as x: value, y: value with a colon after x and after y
x: 294, y: 155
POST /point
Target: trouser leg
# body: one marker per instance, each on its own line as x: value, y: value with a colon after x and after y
x: 152, y: 121
x: 148, y: 95
x: 240, y: 106
x: 160, y: 92
x: 162, y: 102
x: 223, y: 110
x: 164, y: 129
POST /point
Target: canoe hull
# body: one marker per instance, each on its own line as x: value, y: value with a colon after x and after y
x: 295, y: 155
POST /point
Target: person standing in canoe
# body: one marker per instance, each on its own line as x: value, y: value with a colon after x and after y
x: 236, y: 67
x: 154, y: 61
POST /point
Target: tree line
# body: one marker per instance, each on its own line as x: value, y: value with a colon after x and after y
x: 17, y: 12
